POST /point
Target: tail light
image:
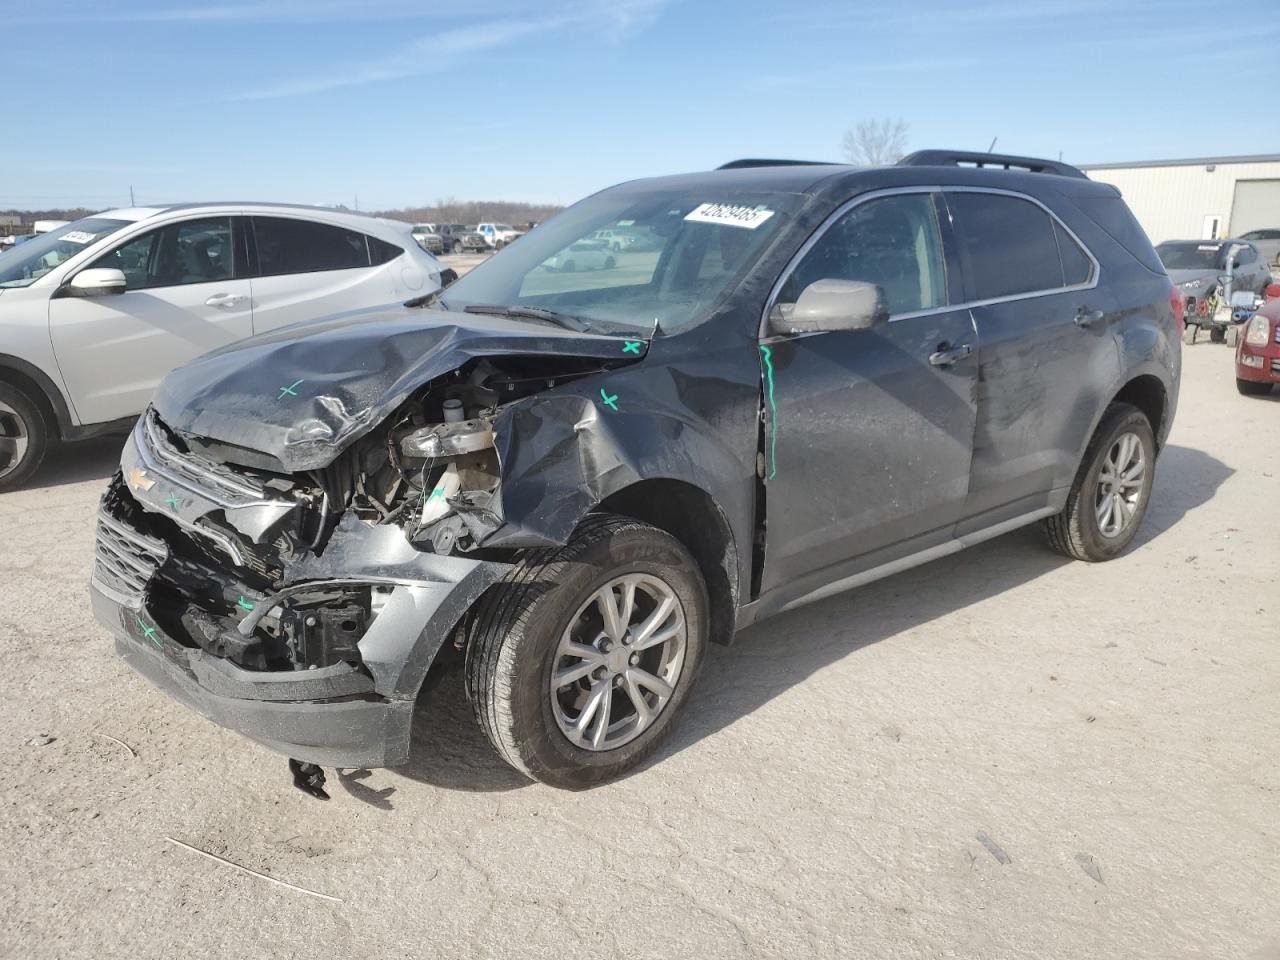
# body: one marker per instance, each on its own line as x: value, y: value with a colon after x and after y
x: 1179, y: 306
x: 1273, y: 291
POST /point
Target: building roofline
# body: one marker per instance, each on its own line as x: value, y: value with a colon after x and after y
x: 1192, y: 162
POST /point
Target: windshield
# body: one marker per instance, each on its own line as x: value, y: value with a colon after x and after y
x: 28, y: 262
x: 1190, y: 256
x: 626, y: 260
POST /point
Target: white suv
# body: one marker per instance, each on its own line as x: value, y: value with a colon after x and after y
x: 497, y: 235
x: 94, y: 313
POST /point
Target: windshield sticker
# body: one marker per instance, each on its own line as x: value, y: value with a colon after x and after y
x: 77, y: 236
x: 1209, y: 246
x: 626, y: 223
x: 729, y: 215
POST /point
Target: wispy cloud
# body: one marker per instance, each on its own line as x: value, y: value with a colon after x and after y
x: 265, y: 11
x: 439, y: 51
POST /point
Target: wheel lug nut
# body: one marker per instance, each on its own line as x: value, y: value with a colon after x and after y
x: 617, y: 681
x: 635, y: 658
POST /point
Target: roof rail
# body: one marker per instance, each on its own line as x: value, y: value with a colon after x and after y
x: 956, y: 158
x: 750, y: 162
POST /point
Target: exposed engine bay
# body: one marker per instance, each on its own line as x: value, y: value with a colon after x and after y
x: 279, y: 571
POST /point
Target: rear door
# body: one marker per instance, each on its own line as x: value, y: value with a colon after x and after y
x: 870, y: 441
x: 1047, y: 350
x: 307, y: 270
x: 186, y: 295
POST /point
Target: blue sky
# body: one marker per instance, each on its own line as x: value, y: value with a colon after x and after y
x: 400, y: 103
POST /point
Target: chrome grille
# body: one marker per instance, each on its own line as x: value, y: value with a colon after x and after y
x: 125, y: 560
x: 204, y: 474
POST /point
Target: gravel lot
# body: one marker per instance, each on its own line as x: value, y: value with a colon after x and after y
x: 1000, y: 754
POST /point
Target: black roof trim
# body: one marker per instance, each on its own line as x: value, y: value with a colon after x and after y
x: 956, y: 158
x: 751, y: 162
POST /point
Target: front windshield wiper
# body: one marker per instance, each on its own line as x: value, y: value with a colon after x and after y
x: 529, y: 313
x: 427, y: 300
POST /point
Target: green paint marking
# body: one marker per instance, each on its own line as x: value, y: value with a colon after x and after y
x: 437, y: 492
x: 610, y: 402
x: 244, y: 604
x: 289, y: 391
x: 173, y: 501
x: 149, y: 632
x: 631, y: 346
x: 773, y: 413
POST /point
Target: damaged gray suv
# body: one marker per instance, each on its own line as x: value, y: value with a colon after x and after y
x: 814, y: 376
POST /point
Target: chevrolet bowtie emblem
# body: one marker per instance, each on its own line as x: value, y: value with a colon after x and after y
x: 139, y: 480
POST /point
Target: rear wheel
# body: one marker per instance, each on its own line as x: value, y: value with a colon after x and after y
x: 1252, y: 388
x: 579, y: 663
x: 1233, y: 335
x: 457, y: 246
x: 1111, y: 490
x: 24, y: 437
x: 1189, y: 333
x: 1217, y: 335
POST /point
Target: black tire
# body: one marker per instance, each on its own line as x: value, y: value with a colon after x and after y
x: 1189, y: 333
x: 513, y: 638
x: 1075, y: 531
x: 457, y: 247
x: 1233, y: 335
x: 1217, y: 335
x: 610, y: 263
x: 1252, y: 388
x: 24, y: 437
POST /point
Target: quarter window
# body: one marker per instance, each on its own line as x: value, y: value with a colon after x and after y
x: 381, y: 252
x: 1076, y: 267
x: 302, y: 246
x: 193, y: 251
x: 1008, y: 245
x: 892, y: 242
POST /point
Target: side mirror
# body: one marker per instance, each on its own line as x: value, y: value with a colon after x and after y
x: 447, y: 276
x: 97, y: 282
x: 831, y: 305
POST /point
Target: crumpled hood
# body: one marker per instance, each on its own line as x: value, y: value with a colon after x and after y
x: 303, y: 393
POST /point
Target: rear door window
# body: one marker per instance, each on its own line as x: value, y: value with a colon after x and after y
x: 303, y: 246
x: 1007, y: 245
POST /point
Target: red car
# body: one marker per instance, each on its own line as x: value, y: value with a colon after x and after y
x: 1258, y: 352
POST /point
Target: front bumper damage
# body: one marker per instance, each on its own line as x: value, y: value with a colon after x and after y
x: 164, y: 512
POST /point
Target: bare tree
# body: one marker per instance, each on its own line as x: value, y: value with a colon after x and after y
x: 874, y: 143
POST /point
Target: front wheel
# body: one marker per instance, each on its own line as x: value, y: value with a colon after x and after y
x: 1111, y: 490
x: 1233, y: 335
x: 579, y: 662
x: 24, y: 437
x: 1189, y: 333
x: 1252, y: 388
x: 457, y: 246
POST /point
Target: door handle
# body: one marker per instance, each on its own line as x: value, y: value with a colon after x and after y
x: 1087, y: 318
x: 946, y: 354
x: 225, y: 300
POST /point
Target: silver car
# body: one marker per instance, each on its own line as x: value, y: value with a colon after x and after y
x: 94, y: 313
x: 1267, y: 242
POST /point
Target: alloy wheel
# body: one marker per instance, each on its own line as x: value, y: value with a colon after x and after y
x: 1121, y: 481
x: 13, y: 439
x: 618, y: 662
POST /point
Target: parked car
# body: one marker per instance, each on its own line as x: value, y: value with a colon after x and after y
x: 1258, y: 351
x: 1267, y: 242
x: 458, y: 238
x: 583, y: 255
x: 428, y: 238
x: 95, y: 312
x: 1198, y: 268
x: 497, y: 235
x: 830, y: 374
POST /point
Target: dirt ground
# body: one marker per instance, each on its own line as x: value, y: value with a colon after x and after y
x: 1000, y: 754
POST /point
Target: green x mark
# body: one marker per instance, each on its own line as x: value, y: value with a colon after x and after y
x: 631, y: 346
x: 610, y: 402
x: 173, y: 501
x: 289, y: 391
x: 244, y: 604
x: 149, y: 632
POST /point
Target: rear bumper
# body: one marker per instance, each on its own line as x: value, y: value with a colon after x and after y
x: 336, y: 720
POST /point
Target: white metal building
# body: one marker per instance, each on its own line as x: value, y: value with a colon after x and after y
x: 1211, y: 197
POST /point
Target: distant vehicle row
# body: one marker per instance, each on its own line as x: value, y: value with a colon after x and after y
x: 439, y: 238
